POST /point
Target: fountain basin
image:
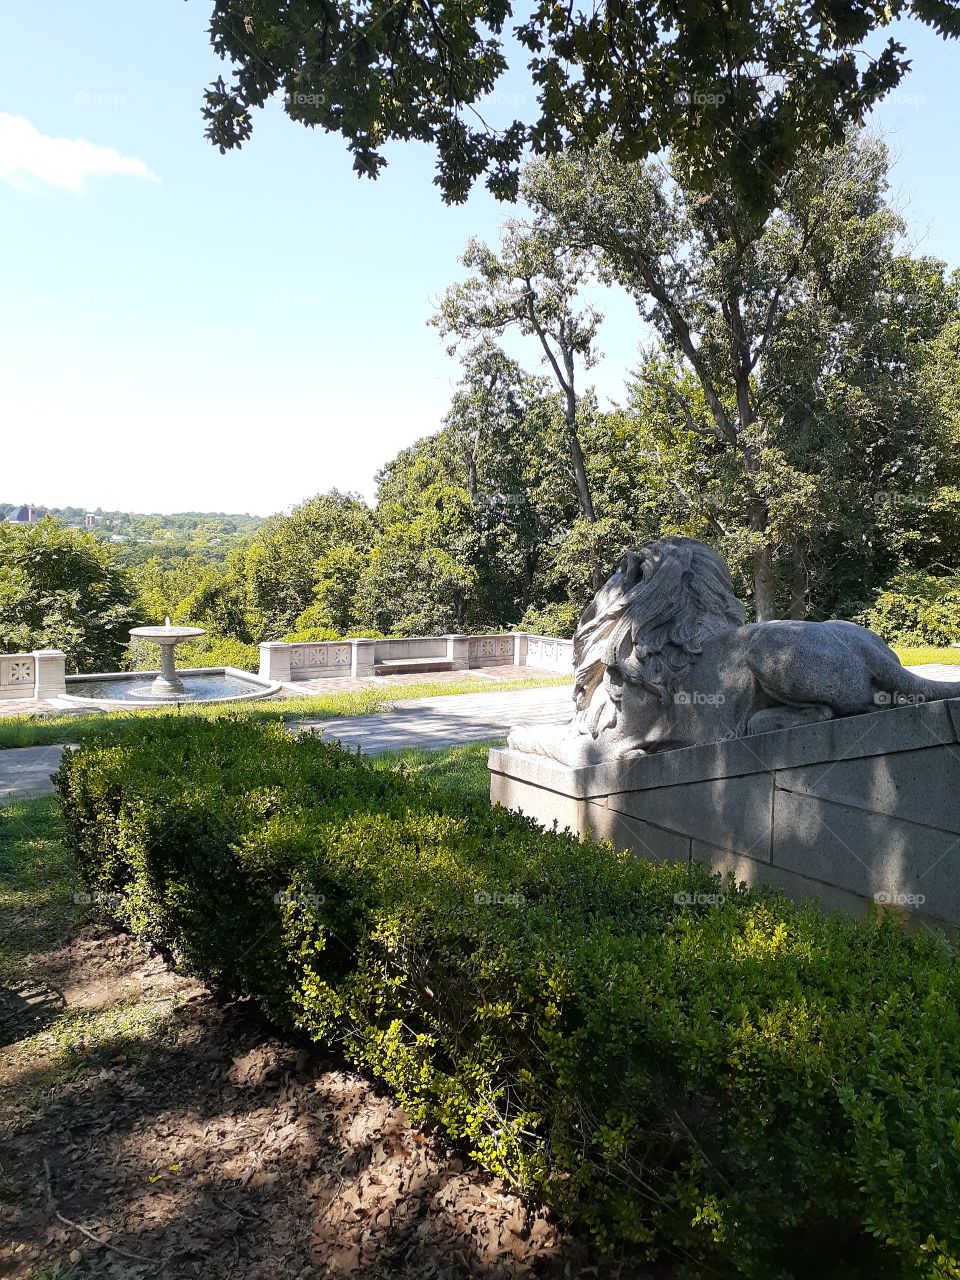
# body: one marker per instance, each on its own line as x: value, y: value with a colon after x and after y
x: 117, y: 690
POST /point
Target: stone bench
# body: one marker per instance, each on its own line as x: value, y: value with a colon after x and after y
x: 406, y: 666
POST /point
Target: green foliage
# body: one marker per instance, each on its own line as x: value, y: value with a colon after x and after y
x: 211, y: 650
x: 811, y: 474
x: 62, y: 589
x: 916, y: 608
x: 559, y: 619
x: 740, y: 1082
x: 735, y: 92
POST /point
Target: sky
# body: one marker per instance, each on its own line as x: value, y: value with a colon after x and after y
x: 181, y: 330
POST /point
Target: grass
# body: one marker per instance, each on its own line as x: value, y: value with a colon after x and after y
x: 48, y: 730
x: 458, y: 771
x: 916, y: 655
x: 38, y: 883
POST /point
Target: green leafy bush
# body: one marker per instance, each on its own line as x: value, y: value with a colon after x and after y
x: 742, y: 1084
x: 63, y: 589
x: 916, y: 609
x: 211, y: 650
x: 558, y: 619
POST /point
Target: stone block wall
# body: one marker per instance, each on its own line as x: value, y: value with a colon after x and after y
x: 862, y: 812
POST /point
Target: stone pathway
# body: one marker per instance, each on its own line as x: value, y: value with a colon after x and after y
x: 25, y: 771
x: 937, y: 671
x: 448, y: 721
x: 347, y: 684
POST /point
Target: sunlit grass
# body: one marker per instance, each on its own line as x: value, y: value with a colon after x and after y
x: 461, y: 771
x: 917, y: 655
x: 38, y: 881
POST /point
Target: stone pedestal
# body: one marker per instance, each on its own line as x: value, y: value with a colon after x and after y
x: 51, y: 671
x: 862, y: 812
x: 458, y: 652
x: 363, y: 658
x: 275, y: 662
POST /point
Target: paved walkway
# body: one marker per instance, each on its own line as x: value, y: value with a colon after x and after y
x: 938, y: 671
x: 446, y: 722
x: 25, y: 771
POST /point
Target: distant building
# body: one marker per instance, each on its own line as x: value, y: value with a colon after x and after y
x: 23, y: 515
x: 91, y: 521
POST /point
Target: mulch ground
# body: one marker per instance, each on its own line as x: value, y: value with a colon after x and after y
x: 204, y: 1146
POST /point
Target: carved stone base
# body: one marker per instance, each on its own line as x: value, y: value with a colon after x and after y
x: 858, y: 812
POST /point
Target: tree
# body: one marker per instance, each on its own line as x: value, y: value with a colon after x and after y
x: 284, y: 561
x: 725, y: 293
x: 420, y: 575
x: 532, y: 285
x: 62, y: 589
x: 738, y: 90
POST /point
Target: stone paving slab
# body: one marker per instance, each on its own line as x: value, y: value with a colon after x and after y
x: 448, y: 721
x: 937, y: 671
x: 25, y: 771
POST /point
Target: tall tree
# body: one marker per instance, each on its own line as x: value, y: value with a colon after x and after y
x: 62, y: 588
x: 532, y: 285
x: 722, y: 289
x: 737, y: 89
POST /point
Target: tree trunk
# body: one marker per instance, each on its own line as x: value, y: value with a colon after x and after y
x: 764, y: 580
x: 580, y: 472
x: 799, y: 586
x: 764, y: 586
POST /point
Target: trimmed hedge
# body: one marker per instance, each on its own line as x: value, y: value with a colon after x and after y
x: 746, y: 1086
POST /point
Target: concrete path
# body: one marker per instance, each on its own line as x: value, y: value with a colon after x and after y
x: 446, y: 722
x: 937, y: 671
x: 25, y: 771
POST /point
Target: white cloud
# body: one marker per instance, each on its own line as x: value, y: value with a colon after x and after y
x: 26, y: 153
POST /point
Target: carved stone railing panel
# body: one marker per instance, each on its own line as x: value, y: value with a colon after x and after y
x: 18, y: 675
x: 491, y: 650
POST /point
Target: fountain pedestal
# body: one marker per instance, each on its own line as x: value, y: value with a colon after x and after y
x: 167, y: 684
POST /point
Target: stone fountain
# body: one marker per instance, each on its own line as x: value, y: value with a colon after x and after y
x: 167, y: 684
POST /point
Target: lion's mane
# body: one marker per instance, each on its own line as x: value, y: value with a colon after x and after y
x: 648, y: 624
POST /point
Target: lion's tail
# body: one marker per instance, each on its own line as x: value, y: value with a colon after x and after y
x: 901, y: 685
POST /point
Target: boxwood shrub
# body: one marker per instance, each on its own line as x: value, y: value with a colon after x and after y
x: 687, y: 1070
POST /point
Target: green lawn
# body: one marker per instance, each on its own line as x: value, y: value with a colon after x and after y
x: 46, y: 730
x: 914, y: 656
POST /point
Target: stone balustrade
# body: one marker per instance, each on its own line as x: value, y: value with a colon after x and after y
x: 289, y: 663
x: 41, y: 674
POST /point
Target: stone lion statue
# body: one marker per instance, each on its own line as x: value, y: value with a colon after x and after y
x: 663, y: 660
